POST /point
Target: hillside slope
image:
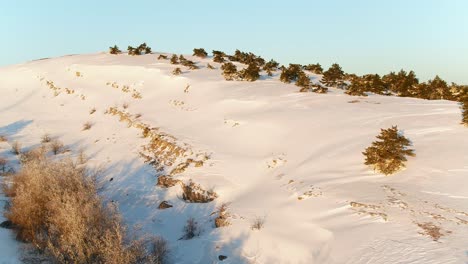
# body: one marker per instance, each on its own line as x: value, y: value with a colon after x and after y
x: 292, y: 159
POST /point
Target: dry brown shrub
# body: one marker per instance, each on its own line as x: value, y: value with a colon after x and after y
x: 55, y: 206
x: 57, y: 147
x: 223, y: 216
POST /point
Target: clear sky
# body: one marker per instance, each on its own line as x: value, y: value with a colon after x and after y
x: 363, y: 36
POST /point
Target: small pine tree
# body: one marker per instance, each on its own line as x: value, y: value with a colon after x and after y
x: 464, y: 107
x: 317, y: 88
x: 200, y: 53
x: 218, y: 58
x: 334, y: 76
x: 251, y: 73
x: 114, y: 50
x: 132, y: 51
x: 270, y: 66
x: 388, y: 154
x: 314, y: 68
x: 229, y: 71
x: 303, y: 81
x: 219, y: 53
x: 290, y: 74
x: 439, y: 89
x: 356, y: 89
x: 162, y: 57
x: 402, y: 83
x: 143, y: 48
x: 177, y: 71
x: 147, y: 50
x: 209, y: 66
x: 188, y: 63
x: 174, y: 59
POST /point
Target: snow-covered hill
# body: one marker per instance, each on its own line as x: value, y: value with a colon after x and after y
x: 293, y: 160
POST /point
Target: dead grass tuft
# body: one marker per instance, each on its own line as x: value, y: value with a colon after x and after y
x: 87, y: 126
x: 46, y: 138
x: 57, y: 147
x: 16, y: 148
x: 258, y: 223
x: 191, y: 229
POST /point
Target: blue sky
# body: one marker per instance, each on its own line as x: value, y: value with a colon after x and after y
x: 363, y: 36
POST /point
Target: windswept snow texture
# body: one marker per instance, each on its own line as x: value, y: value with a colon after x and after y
x: 292, y: 159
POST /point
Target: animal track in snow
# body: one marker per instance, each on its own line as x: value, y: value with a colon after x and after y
x: 127, y: 89
x: 432, y: 219
x: 369, y: 209
x: 181, y: 105
x: 280, y: 160
x: 299, y: 189
x: 231, y: 122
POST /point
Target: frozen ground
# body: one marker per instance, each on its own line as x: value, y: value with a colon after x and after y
x: 292, y: 159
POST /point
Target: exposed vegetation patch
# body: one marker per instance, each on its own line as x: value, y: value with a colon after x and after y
x: 167, y: 181
x: 432, y: 230
x: 194, y: 193
x: 162, y: 150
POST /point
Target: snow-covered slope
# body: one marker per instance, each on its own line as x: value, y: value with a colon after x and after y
x: 291, y: 159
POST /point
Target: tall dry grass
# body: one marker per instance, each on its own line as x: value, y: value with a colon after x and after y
x: 55, y: 206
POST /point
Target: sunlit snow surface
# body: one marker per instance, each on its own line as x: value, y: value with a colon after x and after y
x: 293, y: 159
